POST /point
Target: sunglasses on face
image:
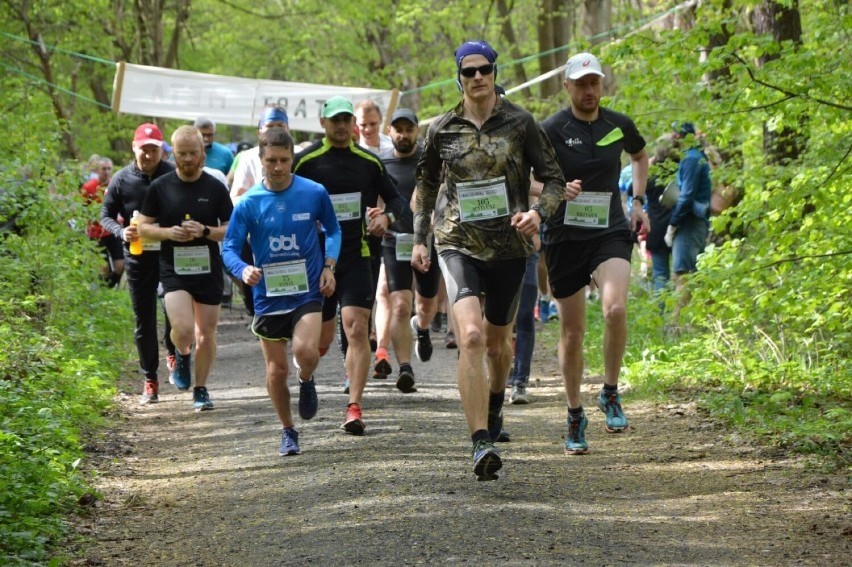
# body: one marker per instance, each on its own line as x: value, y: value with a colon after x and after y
x: 470, y: 72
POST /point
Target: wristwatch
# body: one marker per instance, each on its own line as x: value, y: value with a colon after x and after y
x: 391, y: 216
x: 206, y: 232
x: 640, y: 198
x: 329, y: 267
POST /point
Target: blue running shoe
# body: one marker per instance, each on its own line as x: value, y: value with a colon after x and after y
x: 308, y: 401
x: 345, y: 383
x: 495, y: 423
x: 610, y: 404
x: 183, y: 371
x: 575, y: 442
x: 201, y: 399
x: 486, y: 460
x: 289, y: 442
x: 543, y: 310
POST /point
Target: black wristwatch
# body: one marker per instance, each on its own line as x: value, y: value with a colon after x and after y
x: 329, y: 267
x: 640, y: 198
x: 206, y: 232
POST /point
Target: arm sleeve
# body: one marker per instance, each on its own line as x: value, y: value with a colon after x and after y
x: 328, y: 220
x: 546, y: 169
x: 232, y: 245
x: 428, y: 184
x: 687, y: 177
x: 111, y: 208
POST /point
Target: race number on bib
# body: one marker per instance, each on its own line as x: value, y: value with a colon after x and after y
x: 480, y: 200
x: 286, y: 278
x: 192, y: 260
x: 590, y: 210
x: 346, y: 206
x: 404, y: 246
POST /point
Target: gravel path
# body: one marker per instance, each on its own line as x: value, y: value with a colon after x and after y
x: 209, y: 489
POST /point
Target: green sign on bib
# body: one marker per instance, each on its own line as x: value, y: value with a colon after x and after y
x: 191, y: 260
x: 404, y: 246
x: 346, y: 206
x: 590, y: 210
x: 480, y: 200
x: 286, y: 278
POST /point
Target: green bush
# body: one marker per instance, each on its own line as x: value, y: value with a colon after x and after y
x: 58, y: 357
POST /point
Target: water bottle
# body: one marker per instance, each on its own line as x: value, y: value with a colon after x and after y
x: 136, y: 246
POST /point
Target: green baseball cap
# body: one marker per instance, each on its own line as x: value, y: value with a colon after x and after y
x: 337, y: 105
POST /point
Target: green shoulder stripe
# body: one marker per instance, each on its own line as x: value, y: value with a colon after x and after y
x: 304, y: 158
x: 613, y: 136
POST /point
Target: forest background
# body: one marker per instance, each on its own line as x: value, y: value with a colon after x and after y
x: 764, y: 343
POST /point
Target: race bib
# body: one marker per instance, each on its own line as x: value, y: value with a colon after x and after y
x: 404, y: 246
x: 590, y: 210
x: 191, y: 260
x: 151, y: 245
x: 346, y: 206
x: 286, y: 278
x: 480, y: 200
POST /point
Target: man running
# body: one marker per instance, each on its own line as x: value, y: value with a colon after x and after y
x: 483, y: 150
x: 188, y: 210
x: 354, y: 179
x: 590, y: 237
x: 124, y: 195
x: 290, y: 274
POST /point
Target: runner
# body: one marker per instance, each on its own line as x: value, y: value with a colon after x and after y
x: 289, y: 278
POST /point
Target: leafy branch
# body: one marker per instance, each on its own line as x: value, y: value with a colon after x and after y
x: 790, y: 94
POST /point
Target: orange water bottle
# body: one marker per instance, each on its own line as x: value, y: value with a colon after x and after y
x: 136, y: 246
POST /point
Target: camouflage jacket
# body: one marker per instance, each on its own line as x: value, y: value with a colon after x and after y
x: 475, y: 218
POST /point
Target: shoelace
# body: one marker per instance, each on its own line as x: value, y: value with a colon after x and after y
x: 612, y: 402
x: 574, y: 429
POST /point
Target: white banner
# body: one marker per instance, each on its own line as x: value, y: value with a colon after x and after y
x: 171, y: 93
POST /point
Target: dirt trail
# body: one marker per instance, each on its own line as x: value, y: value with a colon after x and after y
x: 209, y: 489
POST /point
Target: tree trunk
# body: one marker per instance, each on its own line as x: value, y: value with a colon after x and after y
x: 511, y: 40
x: 783, y: 23
x: 597, y: 20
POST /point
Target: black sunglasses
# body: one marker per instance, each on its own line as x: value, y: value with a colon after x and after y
x: 470, y: 72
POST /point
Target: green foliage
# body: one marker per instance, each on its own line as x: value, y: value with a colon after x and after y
x: 58, y: 353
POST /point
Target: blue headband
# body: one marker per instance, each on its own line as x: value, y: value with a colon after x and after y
x: 478, y: 47
x: 274, y: 114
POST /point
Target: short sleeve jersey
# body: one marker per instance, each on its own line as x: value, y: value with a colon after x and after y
x: 403, y: 170
x: 170, y: 200
x: 590, y: 152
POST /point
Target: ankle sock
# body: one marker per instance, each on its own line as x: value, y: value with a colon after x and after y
x: 575, y: 414
x: 480, y: 435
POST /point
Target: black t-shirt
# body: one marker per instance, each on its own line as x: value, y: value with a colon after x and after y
x: 590, y: 152
x: 205, y: 200
x: 403, y: 171
x: 355, y: 172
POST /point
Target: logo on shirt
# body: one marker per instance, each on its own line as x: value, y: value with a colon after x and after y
x: 571, y: 142
x: 283, y: 243
x: 203, y: 200
x: 301, y: 216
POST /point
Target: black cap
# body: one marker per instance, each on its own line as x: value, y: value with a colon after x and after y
x: 405, y: 113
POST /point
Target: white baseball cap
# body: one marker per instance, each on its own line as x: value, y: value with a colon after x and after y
x: 581, y: 65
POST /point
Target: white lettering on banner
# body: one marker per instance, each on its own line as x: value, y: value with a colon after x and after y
x: 186, y: 95
x: 283, y: 243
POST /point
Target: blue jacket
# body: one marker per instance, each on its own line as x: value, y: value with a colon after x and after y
x: 693, y: 177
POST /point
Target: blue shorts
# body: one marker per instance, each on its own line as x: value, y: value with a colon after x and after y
x: 689, y: 241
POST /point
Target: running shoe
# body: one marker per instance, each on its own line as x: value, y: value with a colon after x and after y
x: 554, y: 312
x: 610, y: 404
x: 289, y: 442
x: 353, y: 423
x: 450, y: 340
x: 382, y: 368
x: 150, y: 395
x: 503, y: 437
x: 308, y: 401
x: 345, y: 383
x: 575, y: 442
x: 486, y: 460
x: 495, y: 423
x: 519, y: 394
x: 183, y: 371
x: 405, y: 380
x: 422, y: 341
x: 170, y: 364
x: 201, y: 399
x: 543, y: 310
x: 437, y: 324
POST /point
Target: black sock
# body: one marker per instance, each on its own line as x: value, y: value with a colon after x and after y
x: 574, y: 414
x: 480, y: 435
x: 610, y: 389
x: 495, y: 401
x: 405, y: 366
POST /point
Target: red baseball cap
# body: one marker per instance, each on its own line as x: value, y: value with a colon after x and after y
x: 148, y: 134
